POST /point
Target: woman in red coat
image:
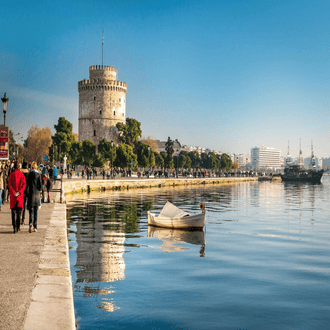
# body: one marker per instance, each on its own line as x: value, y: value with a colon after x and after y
x: 16, y: 184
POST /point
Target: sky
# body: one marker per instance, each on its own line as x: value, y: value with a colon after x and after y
x: 225, y: 75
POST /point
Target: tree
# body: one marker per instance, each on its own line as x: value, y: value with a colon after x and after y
x: 215, y: 160
x: 76, y: 153
x: 184, y: 159
x: 159, y: 160
x: 107, y: 150
x: 88, y: 154
x: 225, y: 162
x: 145, y: 155
x: 195, y: 158
x: 125, y: 156
x: 130, y: 132
x: 63, y: 138
x: 38, y: 142
x: 151, y: 142
x: 169, y: 151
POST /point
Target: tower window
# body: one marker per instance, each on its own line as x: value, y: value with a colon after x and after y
x: 114, y: 113
x: 100, y: 112
x: 94, y: 133
x: 119, y: 99
x: 94, y: 98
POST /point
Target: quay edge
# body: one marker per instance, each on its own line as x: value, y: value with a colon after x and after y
x: 74, y: 186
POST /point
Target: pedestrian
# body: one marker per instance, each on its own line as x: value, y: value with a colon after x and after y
x: 16, y: 184
x: 34, y: 186
x: 25, y: 171
x: 2, y: 179
x: 55, y: 174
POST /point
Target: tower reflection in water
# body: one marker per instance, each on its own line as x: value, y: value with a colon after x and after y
x: 103, y: 227
x: 100, y: 248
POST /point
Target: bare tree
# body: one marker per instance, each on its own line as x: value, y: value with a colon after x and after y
x: 38, y: 142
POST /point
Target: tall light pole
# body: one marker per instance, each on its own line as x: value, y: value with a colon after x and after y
x: 148, y: 160
x: 4, y: 100
x: 177, y: 162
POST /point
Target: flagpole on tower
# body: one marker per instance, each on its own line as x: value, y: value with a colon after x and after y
x: 102, y: 44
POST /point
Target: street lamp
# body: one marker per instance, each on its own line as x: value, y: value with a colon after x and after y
x: 148, y: 161
x: 4, y: 106
x: 177, y: 162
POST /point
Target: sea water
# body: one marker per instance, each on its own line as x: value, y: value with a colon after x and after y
x: 261, y: 262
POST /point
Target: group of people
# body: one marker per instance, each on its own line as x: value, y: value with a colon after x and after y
x: 24, y: 186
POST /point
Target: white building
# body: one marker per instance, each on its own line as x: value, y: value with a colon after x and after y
x: 243, y: 161
x: 326, y: 164
x: 265, y: 158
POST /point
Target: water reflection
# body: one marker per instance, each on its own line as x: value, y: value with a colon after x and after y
x: 172, y: 237
x: 256, y: 249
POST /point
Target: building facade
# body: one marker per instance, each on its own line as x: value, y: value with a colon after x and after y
x: 102, y: 104
x: 265, y: 158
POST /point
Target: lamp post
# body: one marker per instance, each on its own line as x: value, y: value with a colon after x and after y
x: 4, y: 100
x: 148, y: 161
x: 177, y: 162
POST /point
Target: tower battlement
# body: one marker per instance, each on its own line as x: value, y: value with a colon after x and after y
x: 100, y: 83
x: 102, y: 71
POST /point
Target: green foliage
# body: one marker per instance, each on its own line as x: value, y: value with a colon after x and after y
x: 76, y: 152
x: 107, y: 151
x: 130, y: 132
x: 195, y: 159
x: 169, y: 151
x: 88, y: 154
x: 63, y: 126
x: 159, y: 160
x: 145, y: 155
x: 63, y: 138
x: 125, y: 156
x: 215, y: 160
x: 164, y: 155
x: 184, y: 160
x: 225, y: 162
x: 99, y: 160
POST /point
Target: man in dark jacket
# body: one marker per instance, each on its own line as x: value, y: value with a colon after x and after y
x: 34, y: 186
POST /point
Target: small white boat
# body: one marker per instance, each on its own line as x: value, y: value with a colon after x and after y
x: 172, y: 217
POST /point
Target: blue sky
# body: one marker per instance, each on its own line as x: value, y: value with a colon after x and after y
x: 226, y: 75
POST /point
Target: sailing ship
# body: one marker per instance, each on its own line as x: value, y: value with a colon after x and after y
x: 297, y: 173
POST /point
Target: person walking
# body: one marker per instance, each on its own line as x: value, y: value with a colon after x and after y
x: 2, y: 181
x: 55, y: 174
x: 16, y: 185
x: 25, y: 171
x: 34, y: 186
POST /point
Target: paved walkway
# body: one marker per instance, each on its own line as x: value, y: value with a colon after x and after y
x: 35, y: 280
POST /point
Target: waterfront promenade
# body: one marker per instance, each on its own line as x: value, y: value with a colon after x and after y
x: 35, y: 279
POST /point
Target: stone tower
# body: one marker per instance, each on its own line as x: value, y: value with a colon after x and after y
x: 102, y: 104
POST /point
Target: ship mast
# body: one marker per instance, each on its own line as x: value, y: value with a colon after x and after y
x: 301, y: 159
x: 312, y: 155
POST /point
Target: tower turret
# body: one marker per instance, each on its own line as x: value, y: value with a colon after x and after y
x: 102, y: 104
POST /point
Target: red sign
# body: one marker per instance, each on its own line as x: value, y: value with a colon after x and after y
x: 4, y: 142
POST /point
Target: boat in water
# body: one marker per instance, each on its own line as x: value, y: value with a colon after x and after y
x: 172, y: 217
x: 297, y: 173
